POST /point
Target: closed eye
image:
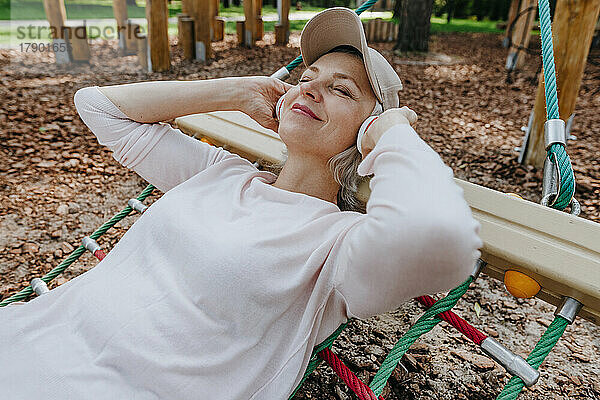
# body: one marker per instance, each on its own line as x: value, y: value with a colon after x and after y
x: 345, y: 92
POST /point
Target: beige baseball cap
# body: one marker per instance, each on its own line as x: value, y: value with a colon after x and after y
x: 338, y: 26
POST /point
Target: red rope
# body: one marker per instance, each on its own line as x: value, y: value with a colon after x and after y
x: 358, y: 387
x: 363, y: 391
x: 99, y: 254
x: 463, y: 326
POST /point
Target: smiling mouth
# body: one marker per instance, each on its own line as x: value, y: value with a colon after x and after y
x: 304, y: 111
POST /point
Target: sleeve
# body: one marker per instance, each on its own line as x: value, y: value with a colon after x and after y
x: 418, y: 235
x: 160, y: 154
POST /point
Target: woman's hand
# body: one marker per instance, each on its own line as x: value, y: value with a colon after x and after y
x: 386, y: 120
x: 260, y: 97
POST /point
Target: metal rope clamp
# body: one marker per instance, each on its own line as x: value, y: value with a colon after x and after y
x: 281, y: 74
x: 39, y: 286
x: 554, y: 132
x: 137, y: 205
x: 90, y: 244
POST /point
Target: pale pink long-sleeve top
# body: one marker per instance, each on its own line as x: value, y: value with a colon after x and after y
x: 222, y: 288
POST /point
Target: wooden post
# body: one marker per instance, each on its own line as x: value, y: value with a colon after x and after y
x: 250, y: 23
x: 120, y: 11
x: 142, y: 52
x: 187, y: 8
x: 512, y: 14
x: 240, y: 28
x: 282, y: 28
x: 259, y: 32
x: 131, y: 38
x: 203, y: 25
x: 187, y: 41
x: 379, y: 30
x: 215, y: 22
x: 521, y: 34
x: 219, y: 29
x: 573, y: 29
x: 158, y: 35
x: 56, y: 15
x: 79, y: 48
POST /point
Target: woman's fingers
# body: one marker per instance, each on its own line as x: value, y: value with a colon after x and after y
x: 410, y: 115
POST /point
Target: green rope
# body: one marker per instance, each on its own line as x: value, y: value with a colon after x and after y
x: 315, y: 360
x: 28, y: 291
x: 536, y: 358
x: 567, y: 184
x: 423, y: 325
x: 298, y: 60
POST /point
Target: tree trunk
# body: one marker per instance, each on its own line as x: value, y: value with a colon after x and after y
x: 414, y: 21
x: 450, y: 10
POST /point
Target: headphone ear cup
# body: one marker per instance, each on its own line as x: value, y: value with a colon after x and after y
x: 278, y: 108
x: 363, y: 129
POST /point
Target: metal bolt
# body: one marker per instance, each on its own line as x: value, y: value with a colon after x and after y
x: 514, y: 364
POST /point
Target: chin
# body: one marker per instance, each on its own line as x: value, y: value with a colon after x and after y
x: 292, y: 132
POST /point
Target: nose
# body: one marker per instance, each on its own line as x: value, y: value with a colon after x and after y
x: 310, y: 90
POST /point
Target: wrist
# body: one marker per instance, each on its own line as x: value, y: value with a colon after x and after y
x: 233, y: 93
x: 378, y: 128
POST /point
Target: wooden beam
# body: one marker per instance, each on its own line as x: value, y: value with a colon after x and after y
x: 219, y: 26
x: 259, y: 30
x: 134, y: 31
x: 186, y: 36
x: 558, y: 250
x: 282, y: 28
x: 249, y: 23
x: 521, y: 34
x: 203, y: 24
x: 215, y: 12
x: 79, y: 48
x: 142, y: 52
x: 157, y: 14
x: 120, y: 12
x: 512, y: 14
x: 56, y: 15
x: 573, y: 30
x: 240, y: 28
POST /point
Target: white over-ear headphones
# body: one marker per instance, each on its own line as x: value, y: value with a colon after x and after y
x: 278, y: 108
x: 378, y: 109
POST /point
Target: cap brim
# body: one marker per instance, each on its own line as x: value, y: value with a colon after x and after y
x: 334, y: 27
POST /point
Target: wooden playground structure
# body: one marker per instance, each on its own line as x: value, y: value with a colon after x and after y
x: 574, y: 25
x: 198, y: 26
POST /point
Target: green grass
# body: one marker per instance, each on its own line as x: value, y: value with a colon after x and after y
x: 269, y: 26
x: 439, y: 25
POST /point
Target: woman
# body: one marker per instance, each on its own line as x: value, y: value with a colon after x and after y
x: 224, y: 285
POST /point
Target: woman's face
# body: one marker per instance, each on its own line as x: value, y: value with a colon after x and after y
x: 322, y: 114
